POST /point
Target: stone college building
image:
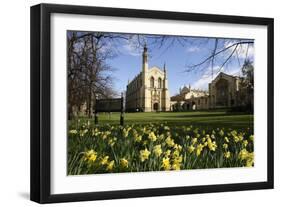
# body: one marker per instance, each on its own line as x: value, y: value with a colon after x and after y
x: 148, y: 91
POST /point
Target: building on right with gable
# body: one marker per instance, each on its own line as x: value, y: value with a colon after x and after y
x: 225, y: 91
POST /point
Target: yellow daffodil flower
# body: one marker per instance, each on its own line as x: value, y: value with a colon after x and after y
x: 144, y: 154
x: 124, y: 163
x: 152, y: 136
x: 166, y: 163
x: 199, y: 149
x: 191, y: 149
x: 157, y: 150
x: 227, y: 154
x: 104, y: 160
x: 170, y: 142
x: 225, y: 146
x: 110, y: 165
x: 90, y: 155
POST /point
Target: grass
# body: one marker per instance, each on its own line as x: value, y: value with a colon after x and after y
x: 200, y: 118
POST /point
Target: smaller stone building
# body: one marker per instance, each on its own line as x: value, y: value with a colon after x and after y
x: 190, y: 99
x: 225, y: 91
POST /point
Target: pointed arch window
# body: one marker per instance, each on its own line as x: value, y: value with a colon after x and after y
x: 152, y: 82
x: 159, y: 83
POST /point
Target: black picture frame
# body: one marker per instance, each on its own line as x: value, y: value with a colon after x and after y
x: 41, y: 96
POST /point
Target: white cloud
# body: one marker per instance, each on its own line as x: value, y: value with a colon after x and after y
x: 242, y: 50
x: 193, y: 49
x: 232, y: 71
x: 203, y: 82
x: 130, y: 49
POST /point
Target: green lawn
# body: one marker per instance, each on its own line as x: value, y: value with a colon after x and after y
x: 202, y: 118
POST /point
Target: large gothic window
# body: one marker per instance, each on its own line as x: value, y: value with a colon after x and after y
x: 152, y: 82
x: 159, y: 83
x: 222, y: 93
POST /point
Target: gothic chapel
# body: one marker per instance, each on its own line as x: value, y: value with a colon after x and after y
x: 148, y: 91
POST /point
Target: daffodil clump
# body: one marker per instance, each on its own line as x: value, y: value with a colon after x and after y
x: 155, y: 147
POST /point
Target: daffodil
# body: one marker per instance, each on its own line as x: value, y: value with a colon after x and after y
x: 225, y: 146
x: 125, y: 133
x: 187, y: 137
x: 250, y: 160
x: 251, y: 137
x: 73, y: 131
x: 227, y: 154
x: 221, y: 133
x: 170, y: 142
x: 167, y: 153
x: 166, y: 128
x: 178, y: 159
x: 176, y: 153
x: 176, y: 166
x: 243, y: 154
x: 194, y: 140
x: 211, y: 144
x: 104, y: 136
x: 152, y: 136
x: 137, y: 137
x: 247, y: 156
x: 240, y: 137
x: 124, y: 163
x: 226, y: 139
x: 104, y: 160
x: 233, y: 133
x: 236, y: 139
x: 90, y: 155
x: 199, y: 149
x: 111, y: 142
x: 191, y: 148
x: 110, y: 165
x: 245, y: 143
x: 83, y: 132
x: 157, y: 150
x: 166, y: 163
x: 144, y: 154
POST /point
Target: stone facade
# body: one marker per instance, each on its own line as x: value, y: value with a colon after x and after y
x: 225, y: 91
x: 148, y: 91
x: 190, y: 99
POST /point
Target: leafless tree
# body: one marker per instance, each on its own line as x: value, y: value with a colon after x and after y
x: 220, y: 51
x: 89, y: 76
x: 223, y: 52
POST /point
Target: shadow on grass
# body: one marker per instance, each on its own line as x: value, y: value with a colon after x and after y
x: 218, y: 119
x: 207, y: 115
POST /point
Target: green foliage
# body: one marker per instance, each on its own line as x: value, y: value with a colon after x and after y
x: 156, y: 146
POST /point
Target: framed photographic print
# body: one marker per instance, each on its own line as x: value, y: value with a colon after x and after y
x: 132, y: 103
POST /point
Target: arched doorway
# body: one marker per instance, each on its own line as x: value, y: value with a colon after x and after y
x: 155, y: 106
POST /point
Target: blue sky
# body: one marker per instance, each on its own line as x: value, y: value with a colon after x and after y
x: 177, y: 56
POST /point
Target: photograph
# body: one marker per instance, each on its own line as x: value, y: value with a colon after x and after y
x: 150, y: 102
